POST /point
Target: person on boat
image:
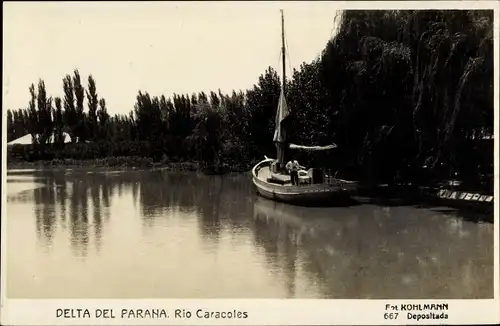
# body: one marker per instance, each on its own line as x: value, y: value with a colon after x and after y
x: 293, y: 168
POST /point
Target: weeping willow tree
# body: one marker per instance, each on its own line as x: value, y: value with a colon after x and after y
x: 408, y: 89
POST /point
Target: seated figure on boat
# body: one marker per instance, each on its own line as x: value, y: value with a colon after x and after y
x: 293, y: 168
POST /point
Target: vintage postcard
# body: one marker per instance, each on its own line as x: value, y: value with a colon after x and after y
x: 250, y: 163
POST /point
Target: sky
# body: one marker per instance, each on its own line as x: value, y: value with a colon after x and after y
x: 161, y: 48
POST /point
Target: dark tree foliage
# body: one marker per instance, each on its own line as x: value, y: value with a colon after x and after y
x: 80, y: 129
x: 404, y: 94
x: 44, y: 111
x: 70, y: 115
x: 102, y: 122
x: 32, y: 113
x: 411, y: 88
x: 58, y: 123
x: 93, y: 103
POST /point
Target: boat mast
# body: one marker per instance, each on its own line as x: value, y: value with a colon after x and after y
x: 282, y: 112
x: 283, y: 49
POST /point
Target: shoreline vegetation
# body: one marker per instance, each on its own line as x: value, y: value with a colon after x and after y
x: 378, y: 194
x: 129, y: 163
x: 406, y: 95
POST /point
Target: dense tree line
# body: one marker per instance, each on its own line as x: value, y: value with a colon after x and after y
x: 404, y: 94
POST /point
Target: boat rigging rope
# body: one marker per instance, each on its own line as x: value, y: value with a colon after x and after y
x: 279, y: 60
x: 288, y: 55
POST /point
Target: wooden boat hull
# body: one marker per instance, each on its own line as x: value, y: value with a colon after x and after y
x: 320, y: 197
x: 462, y: 199
x: 336, y: 193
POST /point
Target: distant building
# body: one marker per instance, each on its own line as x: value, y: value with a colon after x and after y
x: 28, y: 140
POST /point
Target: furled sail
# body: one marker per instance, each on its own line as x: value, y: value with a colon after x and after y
x: 312, y: 148
x: 279, y: 131
x: 281, y: 114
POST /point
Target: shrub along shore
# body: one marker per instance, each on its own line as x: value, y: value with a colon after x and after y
x: 120, y: 162
x: 128, y: 162
x: 138, y: 156
x: 79, y: 156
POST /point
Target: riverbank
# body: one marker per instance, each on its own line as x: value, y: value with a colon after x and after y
x: 127, y: 162
x: 396, y: 194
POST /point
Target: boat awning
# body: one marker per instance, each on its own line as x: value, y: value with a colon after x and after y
x: 312, y: 148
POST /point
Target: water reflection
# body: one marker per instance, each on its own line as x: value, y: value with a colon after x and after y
x: 220, y: 203
x: 64, y: 202
x: 381, y: 252
x: 172, y: 225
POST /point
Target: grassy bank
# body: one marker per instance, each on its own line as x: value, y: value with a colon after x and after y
x: 395, y: 194
x: 127, y: 162
x: 122, y: 155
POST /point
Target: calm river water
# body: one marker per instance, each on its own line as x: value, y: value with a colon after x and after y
x: 155, y: 234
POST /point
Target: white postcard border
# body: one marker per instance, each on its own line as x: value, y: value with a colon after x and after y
x: 258, y: 311
x: 282, y: 311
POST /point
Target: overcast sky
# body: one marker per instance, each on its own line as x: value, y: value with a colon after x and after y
x: 161, y: 48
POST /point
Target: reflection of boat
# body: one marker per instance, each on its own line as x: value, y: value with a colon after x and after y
x: 315, y: 185
x: 273, y: 210
x: 296, y: 217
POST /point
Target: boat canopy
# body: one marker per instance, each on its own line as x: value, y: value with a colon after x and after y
x: 312, y: 148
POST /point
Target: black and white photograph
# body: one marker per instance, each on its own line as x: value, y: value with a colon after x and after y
x: 249, y: 150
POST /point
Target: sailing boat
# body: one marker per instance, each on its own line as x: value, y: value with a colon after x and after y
x: 315, y: 186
